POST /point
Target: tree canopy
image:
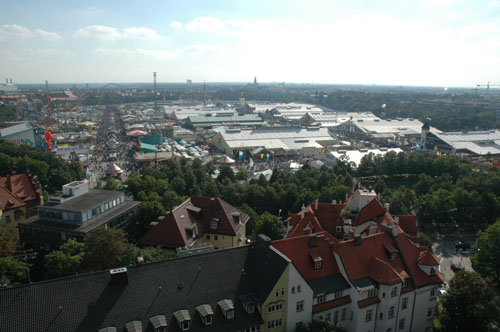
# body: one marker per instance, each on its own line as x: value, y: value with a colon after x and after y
x: 486, y: 258
x: 470, y: 305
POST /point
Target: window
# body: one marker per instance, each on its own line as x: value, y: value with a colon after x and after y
x: 214, y: 223
x: 277, y: 292
x: 272, y: 324
x: 321, y: 298
x: 300, y: 306
x: 342, y: 315
x: 405, y: 283
x: 338, y: 294
x: 391, y: 312
x: 293, y: 290
x: 369, y: 315
x: 318, y: 265
x: 16, y: 215
x: 329, y: 317
x: 404, y: 303
x: 230, y: 314
x: 186, y: 325
x: 381, y: 315
x: 208, y: 236
x: 298, y: 289
x: 7, y: 219
x: 282, y: 292
x: 394, y: 292
x: 433, y: 292
x: 433, y: 271
x: 393, y: 256
x: 401, y: 325
x: 336, y: 316
x: 429, y: 312
x: 216, y: 238
x: 275, y: 307
x: 372, y: 292
x: 208, y: 320
x: 338, y: 229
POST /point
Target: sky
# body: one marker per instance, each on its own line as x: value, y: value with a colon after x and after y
x: 388, y: 42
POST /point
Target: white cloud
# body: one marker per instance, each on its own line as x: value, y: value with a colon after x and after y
x: 133, y: 52
x: 494, y: 3
x: 101, y: 32
x: 8, y: 31
x: 207, y: 24
x: 107, y: 33
x: 48, y: 52
x: 140, y: 33
x: 176, y: 25
x: 5, y: 53
x: 437, y: 3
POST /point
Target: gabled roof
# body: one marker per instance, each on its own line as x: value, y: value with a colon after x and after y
x: 408, y: 224
x: 325, y: 218
x: 411, y: 254
x: 372, y: 210
x: 297, y: 249
x: 383, y: 272
x: 89, y: 302
x: 20, y: 185
x: 8, y: 200
x: 171, y: 231
x: 425, y: 257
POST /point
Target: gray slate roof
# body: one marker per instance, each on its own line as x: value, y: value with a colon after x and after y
x: 89, y: 302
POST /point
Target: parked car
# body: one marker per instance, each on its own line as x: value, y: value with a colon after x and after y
x: 455, y: 267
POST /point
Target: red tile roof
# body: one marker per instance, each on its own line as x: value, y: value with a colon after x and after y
x: 21, y: 186
x: 8, y: 200
x: 369, y: 301
x: 331, y: 304
x: 425, y: 257
x: 325, y: 218
x: 411, y: 254
x: 171, y: 232
x: 370, y: 211
x: 408, y: 224
x: 298, y: 251
x: 370, y: 259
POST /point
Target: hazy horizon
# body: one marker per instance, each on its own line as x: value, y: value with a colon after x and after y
x: 435, y: 43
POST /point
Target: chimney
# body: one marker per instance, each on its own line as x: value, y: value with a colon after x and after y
x: 313, y: 241
x: 357, y: 240
x: 316, y: 204
x: 396, y: 220
x: 264, y: 240
x: 387, y: 206
x: 118, y: 276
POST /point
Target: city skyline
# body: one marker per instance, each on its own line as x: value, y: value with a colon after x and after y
x: 418, y: 43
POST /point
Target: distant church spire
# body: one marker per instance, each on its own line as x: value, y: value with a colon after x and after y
x: 255, y: 80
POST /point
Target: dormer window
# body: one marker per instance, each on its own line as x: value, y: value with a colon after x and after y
x: 183, y: 319
x: 248, y: 303
x: 134, y: 326
x: 393, y: 256
x: 206, y: 313
x: 391, y: 251
x: 159, y: 323
x: 317, y: 261
x: 214, y: 223
x: 191, y: 230
x: 236, y: 216
x: 227, y: 308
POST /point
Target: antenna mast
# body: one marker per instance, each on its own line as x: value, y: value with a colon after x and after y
x: 155, y: 92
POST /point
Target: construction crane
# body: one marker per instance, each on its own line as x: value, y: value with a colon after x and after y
x: 48, y: 102
x: 487, y: 86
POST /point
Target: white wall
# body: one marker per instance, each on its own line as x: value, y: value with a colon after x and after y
x: 305, y: 294
x: 423, y: 302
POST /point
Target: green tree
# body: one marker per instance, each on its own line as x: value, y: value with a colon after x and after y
x: 320, y: 325
x: 105, y: 247
x: 486, y: 259
x: 242, y: 174
x: 139, y: 220
x: 469, y: 305
x: 148, y: 254
x: 12, y: 272
x: 254, y: 218
x: 425, y: 240
x: 66, y: 261
x: 271, y: 226
x: 8, y: 239
x: 226, y: 172
x: 112, y: 184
